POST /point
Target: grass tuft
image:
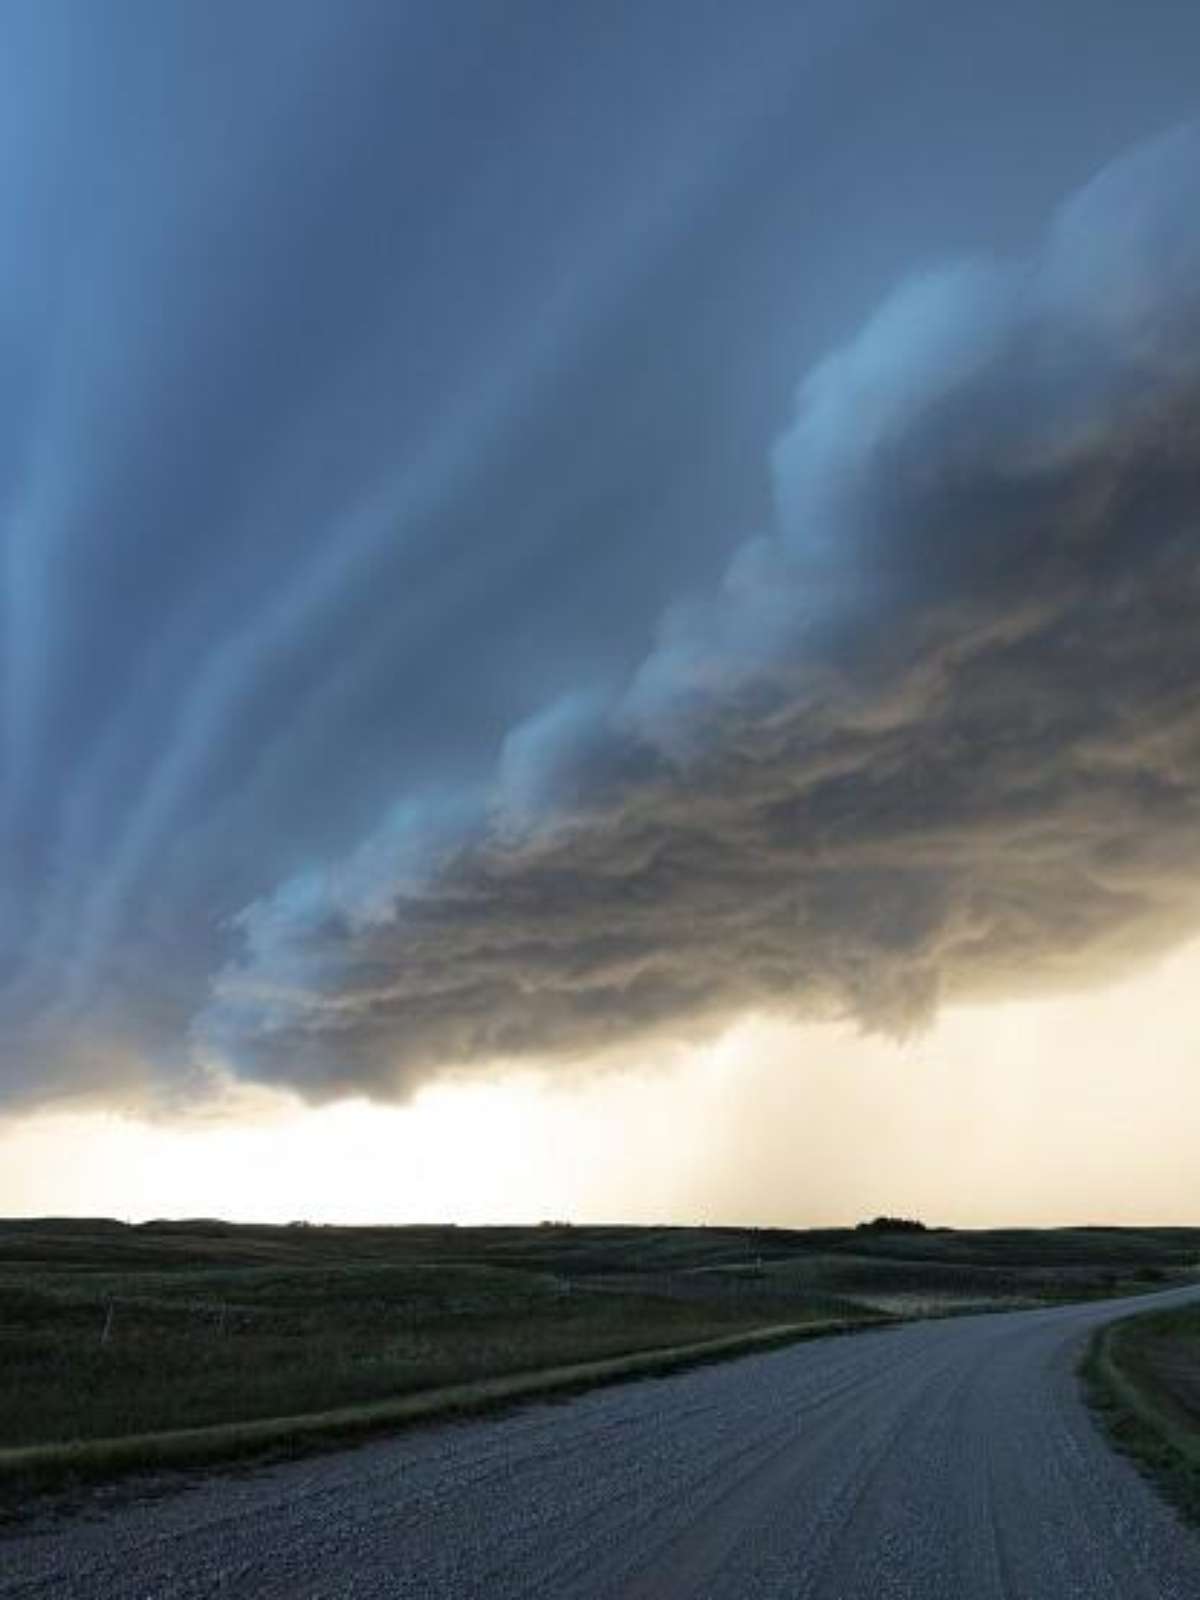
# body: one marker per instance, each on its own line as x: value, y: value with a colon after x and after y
x: 1142, y: 1377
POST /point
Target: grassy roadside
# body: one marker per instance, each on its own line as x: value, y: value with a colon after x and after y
x: 79, y: 1462
x: 1142, y: 1377
x: 133, y: 1347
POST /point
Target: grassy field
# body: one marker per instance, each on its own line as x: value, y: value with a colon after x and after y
x: 110, y: 1331
x: 1143, y: 1375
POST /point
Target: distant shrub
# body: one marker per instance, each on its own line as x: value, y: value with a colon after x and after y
x: 892, y: 1225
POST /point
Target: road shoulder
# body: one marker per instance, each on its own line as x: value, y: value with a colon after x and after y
x: 1141, y: 1376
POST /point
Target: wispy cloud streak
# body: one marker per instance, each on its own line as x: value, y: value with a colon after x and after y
x: 308, y: 417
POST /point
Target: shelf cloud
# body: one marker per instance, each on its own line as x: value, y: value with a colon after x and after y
x: 479, y: 583
x: 934, y: 734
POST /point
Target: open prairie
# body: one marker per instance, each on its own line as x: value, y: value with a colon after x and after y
x: 108, y: 1330
x: 941, y: 1459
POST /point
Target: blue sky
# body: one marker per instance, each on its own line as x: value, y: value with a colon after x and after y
x: 528, y: 529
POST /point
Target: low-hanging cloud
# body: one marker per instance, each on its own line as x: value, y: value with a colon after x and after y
x: 294, y: 412
x: 935, y: 735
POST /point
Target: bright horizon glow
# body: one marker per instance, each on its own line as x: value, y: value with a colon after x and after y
x: 1067, y: 1110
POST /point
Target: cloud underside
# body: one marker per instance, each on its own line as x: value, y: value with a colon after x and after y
x: 935, y: 736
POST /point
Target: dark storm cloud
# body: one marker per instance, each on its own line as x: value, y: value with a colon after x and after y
x: 935, y: 736
x: 374, y: 383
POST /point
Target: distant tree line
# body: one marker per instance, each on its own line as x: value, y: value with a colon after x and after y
x: 892, y: 1225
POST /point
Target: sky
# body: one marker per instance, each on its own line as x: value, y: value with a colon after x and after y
x: 597, y: 610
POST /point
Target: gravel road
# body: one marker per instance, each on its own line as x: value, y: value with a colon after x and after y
x: 940, y: 1461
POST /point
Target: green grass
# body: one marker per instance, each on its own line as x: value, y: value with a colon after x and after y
x: 78, y: 1462
x: 115, y: 1333
x: 219, y: 1347
x: 108, y: 1332
x: 1142, y: 1375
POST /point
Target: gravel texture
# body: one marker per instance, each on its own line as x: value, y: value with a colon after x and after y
x: 949, y: 1460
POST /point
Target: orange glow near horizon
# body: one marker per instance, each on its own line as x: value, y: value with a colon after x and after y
x: 1081, y: 1108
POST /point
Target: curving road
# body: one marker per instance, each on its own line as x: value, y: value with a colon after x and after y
x: 939, y: 1461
